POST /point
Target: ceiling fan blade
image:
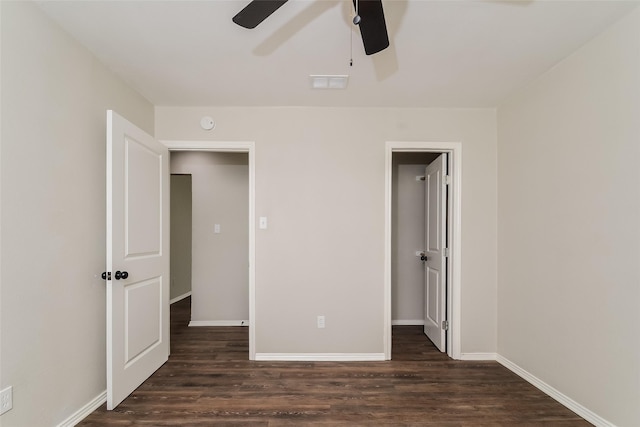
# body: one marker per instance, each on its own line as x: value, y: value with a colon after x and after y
x: 256, y: 12
x: 373, y: 27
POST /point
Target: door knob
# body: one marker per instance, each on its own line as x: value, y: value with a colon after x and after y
x: 121, y: 275
x: 423, y: 257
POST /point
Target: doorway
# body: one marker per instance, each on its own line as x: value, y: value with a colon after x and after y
x: 220, y: 291
x: 233, y: 147
x: 181, y: 214
x: 453, y: 287
x: 407, y: 234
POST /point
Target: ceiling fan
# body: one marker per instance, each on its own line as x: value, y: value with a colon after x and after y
x: 369, y: 17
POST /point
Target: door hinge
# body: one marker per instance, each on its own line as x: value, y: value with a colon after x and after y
x: 445, y: 325
x: 446, y: 252
x: 447, y: 179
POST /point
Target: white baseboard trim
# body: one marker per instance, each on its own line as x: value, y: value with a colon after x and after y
x: 478, y: 356
x: 321, y: 357
x: 565, y: 400
x: 84, y: 412
x: 179, y: 298
x: 219, y: 323
x: 407, y: 322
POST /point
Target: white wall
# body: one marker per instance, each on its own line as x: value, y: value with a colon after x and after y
x: 220, y: 274
x: 181, y: 215
x: 569, y: 229
x: 320, y: 180
x: 54, y: 100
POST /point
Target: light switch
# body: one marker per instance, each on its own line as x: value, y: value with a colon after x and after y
x: 216, y: 228
x: 263, y: 223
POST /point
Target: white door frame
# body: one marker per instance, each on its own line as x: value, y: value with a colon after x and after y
x: 235, y: 147
x: 454, y: 285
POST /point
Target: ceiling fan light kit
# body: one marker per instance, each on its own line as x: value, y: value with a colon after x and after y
x: 369, y: 18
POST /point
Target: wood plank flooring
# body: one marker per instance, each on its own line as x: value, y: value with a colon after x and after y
x: 208, y: 381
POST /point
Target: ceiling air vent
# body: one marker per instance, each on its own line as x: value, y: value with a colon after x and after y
x: 329, y: 81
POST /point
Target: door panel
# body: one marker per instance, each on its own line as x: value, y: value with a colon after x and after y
x: 433, y: 232
x: 435, y: 263
x: 143, y: 334
x: 143, y: 199
x: 432, y: 312
x: 138, y: 244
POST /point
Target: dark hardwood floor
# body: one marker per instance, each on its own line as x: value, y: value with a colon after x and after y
x: 208, y: 381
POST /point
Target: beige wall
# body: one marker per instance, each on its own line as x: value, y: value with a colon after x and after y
x: 220, y: 274
x: 320, y: 181
x: 54, y: 100
x: 181, y: 215
x: 569, y: 229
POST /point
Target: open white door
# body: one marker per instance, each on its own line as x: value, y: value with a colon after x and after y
x: 435, y: 243
x: 137, y: 257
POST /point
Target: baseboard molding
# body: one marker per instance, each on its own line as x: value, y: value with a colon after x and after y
x: 320, y: 357
x: 478, y: 356
x: 415, y: 322
x: 180, y: 298
x: 84, y: 412
x: 565, y: 400
x: 219, y: 323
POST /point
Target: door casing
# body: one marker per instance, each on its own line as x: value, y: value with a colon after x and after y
x: 454, y: 284
x: 248, y: 147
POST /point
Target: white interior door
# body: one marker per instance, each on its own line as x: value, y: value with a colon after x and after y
x: 435, y: 244
x: 137, y: 257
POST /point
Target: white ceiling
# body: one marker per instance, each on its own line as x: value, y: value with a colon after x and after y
x: 443, y: 53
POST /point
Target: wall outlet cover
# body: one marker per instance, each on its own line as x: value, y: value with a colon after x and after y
x: 6, y: 399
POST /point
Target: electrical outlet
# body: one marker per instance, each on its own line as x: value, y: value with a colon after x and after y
x: 320, y: 322
x: 6, y: 399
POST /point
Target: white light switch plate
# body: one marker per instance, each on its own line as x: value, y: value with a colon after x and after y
x: 216, y: 228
